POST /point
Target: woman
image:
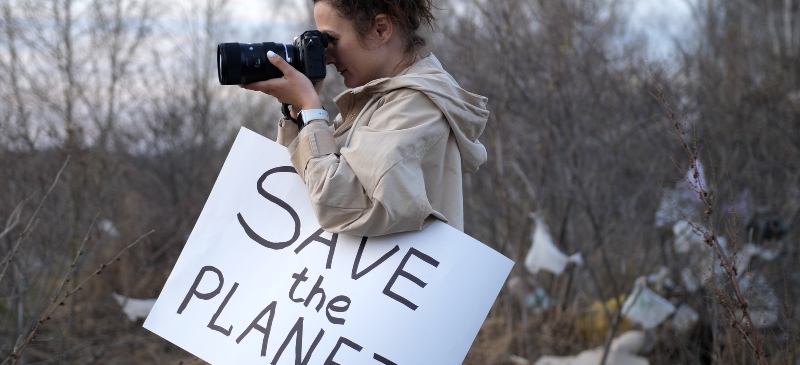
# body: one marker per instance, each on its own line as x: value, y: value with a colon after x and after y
x: 393, y: 159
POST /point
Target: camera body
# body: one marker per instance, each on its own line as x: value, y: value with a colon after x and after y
x: 244, y: 63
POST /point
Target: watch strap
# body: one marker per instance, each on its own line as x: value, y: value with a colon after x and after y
x: 288, y: 115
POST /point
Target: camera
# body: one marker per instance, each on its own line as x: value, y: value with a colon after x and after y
x: 243, y: 63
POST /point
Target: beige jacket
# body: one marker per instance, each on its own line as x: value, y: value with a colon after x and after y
x: 394, y: 158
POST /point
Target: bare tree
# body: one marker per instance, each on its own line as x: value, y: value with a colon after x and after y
x: 17, y: 117
x: 120, y: 31
x: 128, y: 89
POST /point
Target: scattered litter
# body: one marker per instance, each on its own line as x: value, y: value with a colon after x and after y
x: 594, y: 323
x: 695, y: 180
x: 674, y: 205
x: 532, y: 298
x: 631, y: 342
x: 698, y: 272
x: 684, y: 319
x: 762, y: 303
x: 544, y: 255
x: 660, y: 279
x: 107, y: 227
x: 691, y: 281
x: 623, y: 352
x: 750, y: 251
x: 681, y: 201
x: 686, y: 237
x: 593, y: 357
x: 646, y: 307
x: 134, y: 308
x: 517, y: 360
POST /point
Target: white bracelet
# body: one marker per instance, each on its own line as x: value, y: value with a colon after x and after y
x: 312, y: 114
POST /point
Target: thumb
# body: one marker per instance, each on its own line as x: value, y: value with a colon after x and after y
x: 279, y: 62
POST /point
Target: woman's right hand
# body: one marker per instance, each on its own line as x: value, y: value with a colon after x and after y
x: 293, y: 88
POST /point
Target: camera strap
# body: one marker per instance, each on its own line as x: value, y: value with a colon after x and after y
x: 287, y: 113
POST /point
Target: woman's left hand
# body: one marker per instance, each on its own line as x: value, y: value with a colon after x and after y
x: 293, y: 88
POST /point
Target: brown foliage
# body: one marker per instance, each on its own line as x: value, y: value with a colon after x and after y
x: 578, y: 133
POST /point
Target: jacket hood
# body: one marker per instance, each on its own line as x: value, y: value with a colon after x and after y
x: 465, y: 112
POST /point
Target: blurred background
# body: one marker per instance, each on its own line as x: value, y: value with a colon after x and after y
x: 639, y: 152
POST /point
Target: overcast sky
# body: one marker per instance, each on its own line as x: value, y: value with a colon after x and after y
x: 660, y: 21
x: 266, y: 20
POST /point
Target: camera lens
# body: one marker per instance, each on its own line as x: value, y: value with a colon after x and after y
x: 243, y: 63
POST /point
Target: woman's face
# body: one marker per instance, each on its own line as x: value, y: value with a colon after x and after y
x: 358, y: 62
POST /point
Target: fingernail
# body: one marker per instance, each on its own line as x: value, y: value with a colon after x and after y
x: 270, y: 54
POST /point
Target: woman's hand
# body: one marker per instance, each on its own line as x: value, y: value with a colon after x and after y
x: 293, y: 88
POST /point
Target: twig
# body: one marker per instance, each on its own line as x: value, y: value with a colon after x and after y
x: 749, y: 334
x: 31, y: 222
x: 13, y: 219
x: 59, y: 300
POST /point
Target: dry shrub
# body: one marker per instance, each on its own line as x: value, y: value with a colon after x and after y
x: 575, y: 135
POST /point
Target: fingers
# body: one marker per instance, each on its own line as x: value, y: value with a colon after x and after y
x: 279, y: 62
x: 276, y: 85
x: 303, y: 95
x: 293, y: 88
x: 263, y: 86
x: 278, y: 88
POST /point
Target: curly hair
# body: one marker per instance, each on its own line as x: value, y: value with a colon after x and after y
x: 408, y: 15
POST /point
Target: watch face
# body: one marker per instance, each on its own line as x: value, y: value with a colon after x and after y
x: 309, y: 115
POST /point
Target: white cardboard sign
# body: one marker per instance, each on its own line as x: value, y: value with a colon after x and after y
x: 259, y: 282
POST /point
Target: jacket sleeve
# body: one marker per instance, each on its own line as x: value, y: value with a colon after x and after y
x: 376, y: 185
x: 287, y: 132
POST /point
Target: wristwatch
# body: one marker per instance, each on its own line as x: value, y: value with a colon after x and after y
x: 308, y: 115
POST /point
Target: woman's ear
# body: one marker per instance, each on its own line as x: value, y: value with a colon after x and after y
x: 383, y: 28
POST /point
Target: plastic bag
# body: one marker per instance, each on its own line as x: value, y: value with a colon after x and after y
x: 544, y: 255
x: 646, y: 307
x: 686, y: 237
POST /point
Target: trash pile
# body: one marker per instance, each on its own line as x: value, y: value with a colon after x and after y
x: 655, y: 302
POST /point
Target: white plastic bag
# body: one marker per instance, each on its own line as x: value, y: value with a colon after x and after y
x: 646, y: 307
x: 686, y: 237
x: 544, y: 255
